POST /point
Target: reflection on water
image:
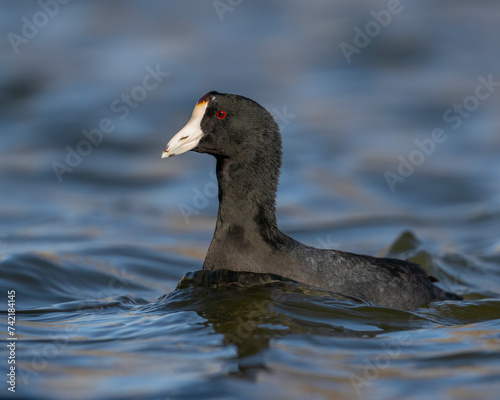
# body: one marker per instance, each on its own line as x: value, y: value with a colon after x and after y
x: 94, y: 241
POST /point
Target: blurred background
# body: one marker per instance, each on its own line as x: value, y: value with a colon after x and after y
x: 388, y: 111
x: 347, y: 114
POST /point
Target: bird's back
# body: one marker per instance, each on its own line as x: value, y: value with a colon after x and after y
x: 384, y: 281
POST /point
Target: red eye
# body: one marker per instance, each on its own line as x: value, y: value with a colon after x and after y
x: 221, y: 114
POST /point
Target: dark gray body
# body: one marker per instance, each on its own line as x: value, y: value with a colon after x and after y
x: 247, y: 145
x: 383, y: 281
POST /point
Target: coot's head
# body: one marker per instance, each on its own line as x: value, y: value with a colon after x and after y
x: 227, y: 126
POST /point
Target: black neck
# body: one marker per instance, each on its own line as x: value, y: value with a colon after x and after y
x: 245, y: 199
x: 246, y: 227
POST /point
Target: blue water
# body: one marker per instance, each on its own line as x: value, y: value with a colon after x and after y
x: 391, y: 147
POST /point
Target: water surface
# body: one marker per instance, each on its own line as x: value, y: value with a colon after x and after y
x: 95, y: 240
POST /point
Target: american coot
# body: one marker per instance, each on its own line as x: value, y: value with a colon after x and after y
x: 245, y: 140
